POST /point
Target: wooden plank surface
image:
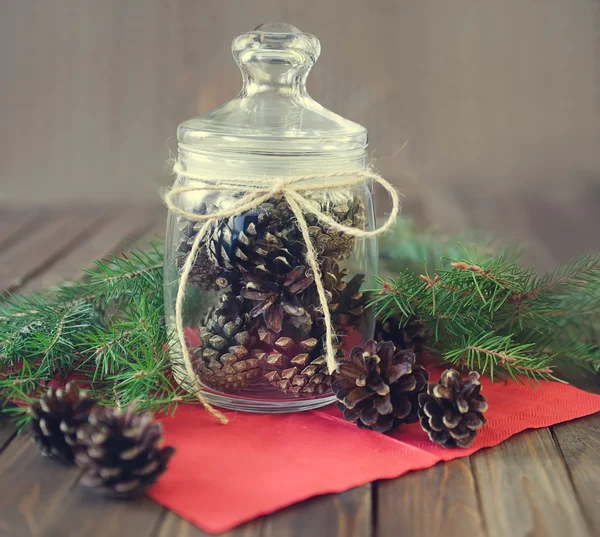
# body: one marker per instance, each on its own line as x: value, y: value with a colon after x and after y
x: 525, y: 489
x: 45, y: 243
x: 440, y: 501
x: 579, y: 443
x: 534, y: 484
x: 333, y: 515
x: 47, y: 500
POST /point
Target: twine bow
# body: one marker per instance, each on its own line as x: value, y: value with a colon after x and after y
x: 256, y: 191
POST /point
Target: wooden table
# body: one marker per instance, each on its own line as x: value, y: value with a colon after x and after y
x: 539, y: 483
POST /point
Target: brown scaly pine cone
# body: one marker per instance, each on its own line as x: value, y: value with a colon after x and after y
x: 378, y: 386
x: 204, y: 273
x: 279, y: 292
x: 345, y: 209
x: 451, y: 411
x: 223, y: 359
x: 55, y: 419
x: 242, y: 242
x: 120, y: 452
x: 293, y: 364
x: 410, y: 336
x: 347, y: 303
x: 263, y: 245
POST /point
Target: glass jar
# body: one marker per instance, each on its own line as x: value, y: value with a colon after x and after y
x: 251, y: 313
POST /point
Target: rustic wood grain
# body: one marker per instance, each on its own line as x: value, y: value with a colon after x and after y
x: 526, y: 486
x: 119, y: 230
x: 83, y: 513
x: 15, y: 223
x: 525, y: 489
x: 7, y: 431
x: 36, y: 508
x: 440, y: 501
x: 579, y: 443
x: 340, y: 515
x: 37, y: 491
x: 43, y: 245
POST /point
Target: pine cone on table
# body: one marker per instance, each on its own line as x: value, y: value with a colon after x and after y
x: 120, y: 452
x: 451, y: 411
x: 410, y: 336
x: 223, y: 359
x: 294, y: 365
x: 378, y: 386
x: 55, y: 419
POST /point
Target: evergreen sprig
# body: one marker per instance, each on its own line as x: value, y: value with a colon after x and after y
x: 106, y: 331
x: 487, y: 312
x: 483, y: 310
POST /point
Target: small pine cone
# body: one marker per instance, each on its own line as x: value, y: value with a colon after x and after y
x: 410, y: 336
x: 347, y: 302
x: 223, y: 359
x: 296, y: 365
x: 55, y: 419
x: 280, y: 292
x: 348, y: 211
x: 255, y: 238
x: 204, y: 273
x: 378, y: 386
x: 451, y: 410
x: 120, y: 452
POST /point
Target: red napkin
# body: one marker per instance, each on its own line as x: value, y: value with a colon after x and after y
x: 222, y: 476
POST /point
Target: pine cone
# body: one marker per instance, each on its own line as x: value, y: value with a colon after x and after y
x: 294, y: 365
x: 120, y: 452
x: 223, y: 358
x: 269, y: 231
x: 55, y: 419
x: 347, y: 304
x: 204, y: 273
x: 279, y: 291
x: 451, y: 410
x: 245, y: 241
x: 347, y: 210
x: 378, y: 387
x: 410, y: 336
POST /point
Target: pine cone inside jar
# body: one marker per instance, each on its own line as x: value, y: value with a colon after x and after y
x: 120, y: 452
x: 378, y: 386
x: 412, y: 335
x: 204, y: 273
x: 451, y: 411
x: 347, y: 302
x: 257, y: 237
x: 280, y: 291
x: 55, y: 419
x: 294, y: 365
x: 346, y: 209
x: 223, y: 359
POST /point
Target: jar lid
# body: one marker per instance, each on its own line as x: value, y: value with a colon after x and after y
x: 273, y: 113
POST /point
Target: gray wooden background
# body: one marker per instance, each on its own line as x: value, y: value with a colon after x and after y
x: 498, y: 99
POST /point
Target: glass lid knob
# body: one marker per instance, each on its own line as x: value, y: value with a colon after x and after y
x: 275, y: 57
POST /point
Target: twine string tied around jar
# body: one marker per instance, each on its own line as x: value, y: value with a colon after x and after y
x: 257, y: 190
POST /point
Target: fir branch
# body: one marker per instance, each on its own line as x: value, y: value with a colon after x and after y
x: 120, y: 277
x: 490, y: 352
x: 499, y: 298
